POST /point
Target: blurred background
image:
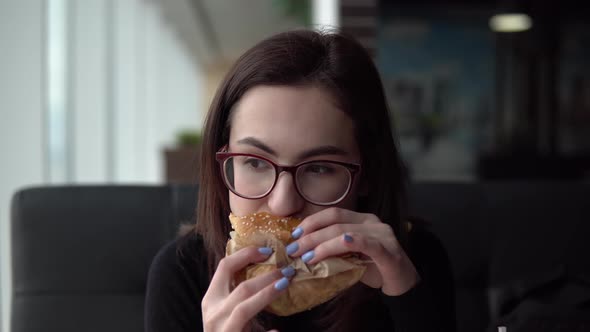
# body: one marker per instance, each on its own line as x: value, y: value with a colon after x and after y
x: 105, y: 91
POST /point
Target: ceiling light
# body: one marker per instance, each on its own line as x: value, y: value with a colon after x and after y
x: 512, y: 22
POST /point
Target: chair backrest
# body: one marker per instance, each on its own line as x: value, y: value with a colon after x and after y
x: 80, y: 254
x: 540, y: 243
x: 454, y: 213
x: 505, y: 238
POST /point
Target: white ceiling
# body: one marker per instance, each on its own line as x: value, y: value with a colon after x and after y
x: 217, y: 31
x: 238, y: 25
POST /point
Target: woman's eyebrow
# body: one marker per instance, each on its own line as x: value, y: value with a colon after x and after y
x: 317, y: 151
x: 258, y: 144
x: 322, y: 150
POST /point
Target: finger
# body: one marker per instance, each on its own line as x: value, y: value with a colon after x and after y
x: 315, y: 238
x: 398, y: 273
x: 350, y: 242
x: 332, y: 216
x: 335, y: 246
x: 248, y: 308
x: 229, y: 265
x: 252, y: 286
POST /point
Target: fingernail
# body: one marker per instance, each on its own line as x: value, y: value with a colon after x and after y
x: 288, y: 272
x: 297, y: 232
x: 347, y: 238
x: 282, y: 284
x: 292, y: 248
x: 265, y: 250
x: 307, y: 256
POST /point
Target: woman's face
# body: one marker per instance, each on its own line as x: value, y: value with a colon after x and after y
x: 290, y: 125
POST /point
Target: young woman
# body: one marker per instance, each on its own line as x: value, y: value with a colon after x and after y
x: 313, y: 101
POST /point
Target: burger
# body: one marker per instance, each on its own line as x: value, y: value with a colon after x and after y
x: 312, y: 285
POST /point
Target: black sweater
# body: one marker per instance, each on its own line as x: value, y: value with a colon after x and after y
x: 178, y: 280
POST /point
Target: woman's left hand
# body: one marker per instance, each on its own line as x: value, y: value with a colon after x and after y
x: 336, y: 231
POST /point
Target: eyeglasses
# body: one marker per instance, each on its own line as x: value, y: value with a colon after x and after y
x: 320, y: 182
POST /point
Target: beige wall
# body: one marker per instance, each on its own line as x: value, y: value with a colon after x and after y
x: 214, y: 74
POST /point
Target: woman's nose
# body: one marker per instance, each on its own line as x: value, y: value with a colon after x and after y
x: 284, y: 200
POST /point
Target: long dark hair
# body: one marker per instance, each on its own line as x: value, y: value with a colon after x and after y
x: 340, y: 66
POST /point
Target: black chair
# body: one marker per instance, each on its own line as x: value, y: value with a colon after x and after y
x: 80, y: 254
x: 454, y: 212
x: 519, y: 250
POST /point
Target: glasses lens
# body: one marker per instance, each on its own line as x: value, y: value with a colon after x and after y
x: 249, y: 176
x: 323, y: 182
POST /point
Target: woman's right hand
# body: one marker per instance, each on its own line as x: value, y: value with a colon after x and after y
x: 225, y: 309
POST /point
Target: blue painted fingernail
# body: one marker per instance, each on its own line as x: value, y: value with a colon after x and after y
x: 297, y: 232
x: 292, y: 248
x: 307, y: 256
x: 282, y: 284
x: 288, y: 272
x: 265, y: 250
x: 347, y: 238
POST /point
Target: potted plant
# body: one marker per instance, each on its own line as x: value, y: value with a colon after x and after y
x: 182, y: 160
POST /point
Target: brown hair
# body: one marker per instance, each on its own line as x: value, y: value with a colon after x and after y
x: 342, y: 67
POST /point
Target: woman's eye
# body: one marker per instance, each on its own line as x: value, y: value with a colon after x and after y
x: 319, y: 169
x: 255, y: 163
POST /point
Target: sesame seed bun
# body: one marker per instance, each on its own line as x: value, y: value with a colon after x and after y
x: 312, y: 285
x: 279, y: 227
